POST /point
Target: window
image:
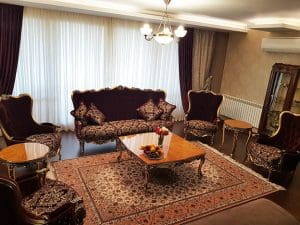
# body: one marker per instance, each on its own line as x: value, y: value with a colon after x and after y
x: 61, y: 52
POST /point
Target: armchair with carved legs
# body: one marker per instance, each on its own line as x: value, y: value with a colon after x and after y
x: 279, y: 153
x: 18, y: 125
x: 202, y: 116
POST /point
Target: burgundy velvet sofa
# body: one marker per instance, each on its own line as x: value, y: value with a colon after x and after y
x: 119, y: 105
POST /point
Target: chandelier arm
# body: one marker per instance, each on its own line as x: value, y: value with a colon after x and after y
x: 164, y: 33
x: 166, y: 17
x: 157, y: 30
x: 148, y: 37
x: 168, y: 20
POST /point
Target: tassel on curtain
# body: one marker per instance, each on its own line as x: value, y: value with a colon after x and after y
x: 185, y: 52
x: 10, y: 35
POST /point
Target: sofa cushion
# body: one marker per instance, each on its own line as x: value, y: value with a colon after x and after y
x: 105, y: 131
x: 95, y: 115
x: 166, y: 109
x: 149, y: 111
x: 80, y: 112
x: 126, y: 127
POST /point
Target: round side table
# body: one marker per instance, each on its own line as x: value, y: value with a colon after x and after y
x: 237, y: 126
x: 24, y: 154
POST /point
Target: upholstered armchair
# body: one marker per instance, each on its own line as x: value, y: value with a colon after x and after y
x: 18, y: 126
x: 201, y: 118
x: 278, y: 153
x: 54, y: 203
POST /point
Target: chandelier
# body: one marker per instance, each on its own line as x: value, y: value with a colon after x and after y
x: 164, y: 34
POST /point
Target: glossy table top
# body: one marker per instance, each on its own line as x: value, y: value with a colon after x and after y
x: 24, y: 152
x: 238, y: 124
x: 175, y: 148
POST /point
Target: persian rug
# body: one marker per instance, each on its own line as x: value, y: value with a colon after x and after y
x: 114, y: 192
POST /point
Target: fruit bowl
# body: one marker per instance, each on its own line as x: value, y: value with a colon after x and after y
x: 152, y: 151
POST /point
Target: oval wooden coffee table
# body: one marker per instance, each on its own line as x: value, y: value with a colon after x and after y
x: 176, y: 150
x: 23, y: 154
x: 237, y: 126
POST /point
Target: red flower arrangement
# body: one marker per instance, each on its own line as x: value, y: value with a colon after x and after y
x: 161, y: 131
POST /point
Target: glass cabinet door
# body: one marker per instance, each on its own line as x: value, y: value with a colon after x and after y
x: 296, y: 100
x: 278, y: 96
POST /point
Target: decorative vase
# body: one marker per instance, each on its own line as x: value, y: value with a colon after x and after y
x: 160, y: 140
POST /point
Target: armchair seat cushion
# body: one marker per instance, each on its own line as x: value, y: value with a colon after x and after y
x: 126, y: 127
x: 264, y: 155
x: 52, y: 197
x: 52, y: 140
x: 201, y: 125
x: 113, y: 129
x: 93, y: 132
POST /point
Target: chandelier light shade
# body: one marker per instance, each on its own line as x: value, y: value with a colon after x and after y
x: 164, y: 34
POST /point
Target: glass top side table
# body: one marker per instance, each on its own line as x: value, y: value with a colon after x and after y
x: 23, y: 154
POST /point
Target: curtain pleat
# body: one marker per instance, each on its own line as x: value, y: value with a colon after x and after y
x: 202, y: 57
x: 63, y: 51
x: 185, y: 51
x: 10, y: 35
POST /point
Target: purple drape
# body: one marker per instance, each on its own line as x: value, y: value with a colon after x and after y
x: 185, y: 66
x: 10, y: 35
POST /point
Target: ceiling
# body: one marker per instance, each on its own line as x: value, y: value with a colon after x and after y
x: 235, y: 15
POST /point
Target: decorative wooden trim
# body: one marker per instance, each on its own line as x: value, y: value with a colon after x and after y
x: 120, y: 87
x: 205, y: 91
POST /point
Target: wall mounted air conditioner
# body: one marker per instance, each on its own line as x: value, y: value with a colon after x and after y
x: 281, y: 44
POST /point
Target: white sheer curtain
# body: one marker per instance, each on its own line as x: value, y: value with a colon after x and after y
x: 61, y: 52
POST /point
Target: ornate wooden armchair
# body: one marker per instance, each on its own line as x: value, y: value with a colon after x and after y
x: 278, y: 153
x: 54, y: 203
x: 18, y: 126
x: 201, y: 118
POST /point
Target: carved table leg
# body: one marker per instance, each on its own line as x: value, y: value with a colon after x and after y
x: 146, y: 177
x: 120, y: 155
x: 120, y: 148
x: 234, y: 143
x: 223, y: 134
x: 202, y: 160
x: 81, y: 144
x: 246, y: 151
x: 11, y: 171
x: 59, y: 153
x: 42, y: 171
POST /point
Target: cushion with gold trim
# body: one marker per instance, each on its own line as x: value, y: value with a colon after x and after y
x: 166, y: 108
x: 149, y: 111
x: 95, y: 115
x: 80, y: 112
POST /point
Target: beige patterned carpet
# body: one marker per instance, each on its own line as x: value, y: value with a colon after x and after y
x: 114, y: 192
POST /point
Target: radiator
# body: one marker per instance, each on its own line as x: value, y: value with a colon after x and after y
x: 241, y: 109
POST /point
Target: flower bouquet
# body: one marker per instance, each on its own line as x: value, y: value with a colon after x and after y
x: 161, y: 131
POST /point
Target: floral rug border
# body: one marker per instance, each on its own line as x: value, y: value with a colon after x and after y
x: 183, y: 220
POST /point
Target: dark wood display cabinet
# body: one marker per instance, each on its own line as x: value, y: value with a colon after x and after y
x: 283, y: 94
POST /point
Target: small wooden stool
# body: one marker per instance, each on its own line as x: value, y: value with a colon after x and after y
x: 237, y: 126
